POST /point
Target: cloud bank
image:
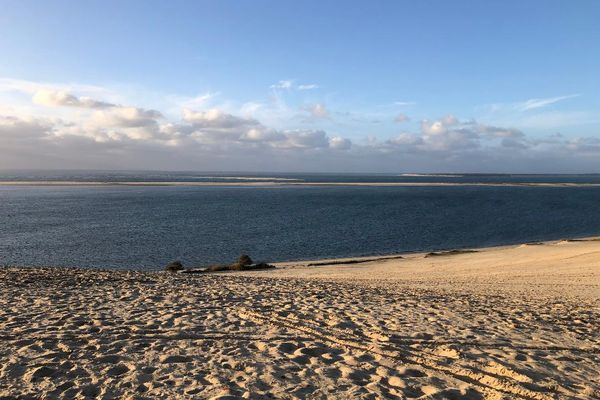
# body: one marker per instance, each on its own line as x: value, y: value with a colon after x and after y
x: 61, y: 129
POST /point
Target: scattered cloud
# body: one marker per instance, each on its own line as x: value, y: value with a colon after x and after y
x: 289, y: 84
x: 304, y: 139
x: 532, y: 104
x: 61, y: 98
x: 215, y: 118
x: 201, y: 100
x: 127, y: 117
x: 537, y: 115
x: 51, y: 126
x: 317, y: 111
x: 449, y: 135
x: 283, y: 84
x: 310, y: 86
x: 340, y: 143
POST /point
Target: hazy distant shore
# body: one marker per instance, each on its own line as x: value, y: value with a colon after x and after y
x: 512, y: 322
x: 281, y: 182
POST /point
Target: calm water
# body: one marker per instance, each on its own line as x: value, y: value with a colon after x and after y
x: 146, y: 227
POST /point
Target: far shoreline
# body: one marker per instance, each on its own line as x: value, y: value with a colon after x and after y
x: 279, y: 183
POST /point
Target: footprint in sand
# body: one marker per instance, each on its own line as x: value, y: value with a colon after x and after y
x: 118, y: 370
x: 411, y: 372
x: 171, y: 359
x: 109, y: 359
x: 41, y: 373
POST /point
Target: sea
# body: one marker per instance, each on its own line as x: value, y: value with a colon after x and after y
x: 144, y: 227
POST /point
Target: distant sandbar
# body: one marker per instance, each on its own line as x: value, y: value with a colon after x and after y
x: 270, y: 183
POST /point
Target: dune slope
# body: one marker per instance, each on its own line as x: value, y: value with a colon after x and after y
x: 518, y: 322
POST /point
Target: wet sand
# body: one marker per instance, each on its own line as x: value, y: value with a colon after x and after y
x: 517, y: 322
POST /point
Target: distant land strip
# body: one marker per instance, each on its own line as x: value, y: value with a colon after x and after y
x: 293, y: 183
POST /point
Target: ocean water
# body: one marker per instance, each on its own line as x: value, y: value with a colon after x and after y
x: 146, y: 227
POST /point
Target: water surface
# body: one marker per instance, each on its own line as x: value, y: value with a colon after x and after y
x: 146, y: 227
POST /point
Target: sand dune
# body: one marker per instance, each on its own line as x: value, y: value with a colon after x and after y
x: 518, y: 322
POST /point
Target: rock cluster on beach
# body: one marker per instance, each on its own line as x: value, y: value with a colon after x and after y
x: 243, y: 263
x: 174, y: 266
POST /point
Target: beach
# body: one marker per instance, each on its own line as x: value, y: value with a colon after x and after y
x: 511, y: 322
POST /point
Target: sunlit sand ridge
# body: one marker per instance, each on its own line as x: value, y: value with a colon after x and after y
x: 518, y: 322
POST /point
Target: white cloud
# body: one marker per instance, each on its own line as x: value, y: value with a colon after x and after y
x: 201, y: 100
x: 406, y: 139
x: 288, y: 84
x: 249, y: 109
x: 127, y: 117
x: 213, y: 139
x: 261, y: 134
x: 55, y: 127
x: 317, y: 111
x: 448, y: 134
x: 218, y: 127
x: 539, y: 103
x: 305, y: 139
x: 61, y: 98
x: 491, y: 132
x: 310, y: 86
x: 585, y: 145
x: 340, y: 143
x: 283, y: 84
x: 215, y: 118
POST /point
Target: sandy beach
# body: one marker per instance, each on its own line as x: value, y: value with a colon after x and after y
x: 515, y: 322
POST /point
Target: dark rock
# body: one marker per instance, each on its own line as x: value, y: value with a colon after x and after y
x: 249, y: 267
x: 448, y: 253
x: 244, y: 260
x: 217, y: 268
x: 262, y: 265
x: 174, y: 266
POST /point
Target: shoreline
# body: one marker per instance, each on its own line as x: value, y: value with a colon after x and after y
x: 422, y: 253
x: 341, y: 260
x: 279, y: 183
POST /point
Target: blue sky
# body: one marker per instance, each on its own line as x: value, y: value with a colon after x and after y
x: 371, y: 79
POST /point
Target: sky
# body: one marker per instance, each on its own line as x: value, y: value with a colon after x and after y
x: 310, y: 86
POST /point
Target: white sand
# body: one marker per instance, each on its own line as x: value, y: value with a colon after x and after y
x: 520, y: 322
